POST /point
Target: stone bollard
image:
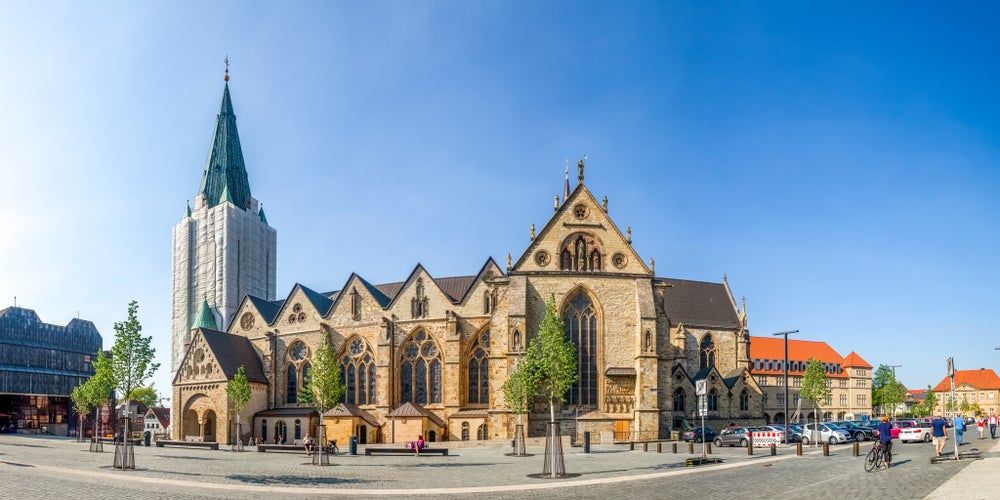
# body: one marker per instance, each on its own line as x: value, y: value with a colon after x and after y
x: 798, y: 448
x: 857, y: 449
x: 774, y: 449
x: 675, y: 446
x: 826, y: 449
x: 645, y: 446
x: 631, y: 446
x: 659, y: 447
x: 708, y: 448
x: 691, y: 447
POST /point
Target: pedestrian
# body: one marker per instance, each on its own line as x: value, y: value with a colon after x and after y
x: 418, y: 445
x: 993, y: 426
x: 938, y: 426
x: 307, y: 443
x: 885, y: 438
x: 980, y: 425
x: 959, y: 428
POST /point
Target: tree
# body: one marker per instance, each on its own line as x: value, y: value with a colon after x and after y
x: 131, y: 364
x: 930, y: 401
x: 814, y: 385
x: 323, y: 388
x: 238, y: 390
x: 81, y: 404
x: 893, y: 395
x: 519, y: 391
x: 96, y: 392
x: 887, y: 392
x: 144, y: 395
x: 552, y: 359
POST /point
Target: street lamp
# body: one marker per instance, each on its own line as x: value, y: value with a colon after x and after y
x: 893, y: 381
x: 786, y: 333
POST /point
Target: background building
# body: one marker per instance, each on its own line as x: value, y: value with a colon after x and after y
x: 976, y: 391
x: 40, y: 364
x: 849, y: 378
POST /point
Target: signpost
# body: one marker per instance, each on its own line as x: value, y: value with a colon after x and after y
x: 701, y: 389
x: 951, y: 377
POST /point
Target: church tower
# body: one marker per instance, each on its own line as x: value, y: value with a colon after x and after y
x: 223, y: 249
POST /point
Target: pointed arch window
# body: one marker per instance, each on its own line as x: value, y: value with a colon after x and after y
x: 487, y: 302
x: 565, y: 260
x: 744, y: 400
x: 292, y: 396
x: 713, y: 400
x: 355, y: 305
x: 707, y: 357
x: 679, y: 400
x: 420, y: 370
x: 297, y: 372
x: 479, y: 370
x: 580, y: 320
x: 357, y: 369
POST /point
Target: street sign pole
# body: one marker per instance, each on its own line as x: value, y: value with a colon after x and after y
x: 951, y: 377
x: 701, y: 388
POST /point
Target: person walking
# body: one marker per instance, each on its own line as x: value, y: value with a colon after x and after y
x: 980, y: 425
x: 959, y: 429
x: 885, y: 439
x: 938, y: 426
x: 993, y: 426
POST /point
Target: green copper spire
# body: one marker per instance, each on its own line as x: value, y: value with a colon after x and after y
x: 224, y: 197
x: 224, y: 168
x: 263, y: 218
x: 205, y: 318
x: 187, y: 213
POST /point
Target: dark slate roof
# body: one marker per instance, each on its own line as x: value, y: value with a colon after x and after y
x: 455, y: 288
x: 288, y: 412
x: 269, y: 310
x: 699, y: 303
x: 225, y: 170
x: 380, y: 296
x: 390, y: 289
x: 321, y: 302
x: 232, y: 351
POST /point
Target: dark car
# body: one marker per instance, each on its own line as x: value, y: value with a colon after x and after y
x: 857, y: 432
x: 694, y: 434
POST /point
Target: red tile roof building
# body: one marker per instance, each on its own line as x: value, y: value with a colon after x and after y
x: 973, y: 389
x: 850, y: 379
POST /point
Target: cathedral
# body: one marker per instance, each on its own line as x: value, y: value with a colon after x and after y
x: 428, y: 355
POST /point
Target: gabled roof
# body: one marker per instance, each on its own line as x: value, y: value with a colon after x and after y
x: 409, y: 409
x: 798, y: 351
x: 232, y: 351
x: 225, y: 173
x: 205, y: 318
x: 161, y: 414
x: 699, y: 304
x: 321, y: 302
x: 267, y: 309
x: 854, y: 361
x: 347, y: 410
x: 983, y: 378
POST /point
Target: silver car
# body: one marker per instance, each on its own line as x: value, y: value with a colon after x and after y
x: 734, y: 436
x: 824, y: 432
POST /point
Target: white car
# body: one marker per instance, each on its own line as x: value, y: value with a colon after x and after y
x: 824, y: 432
x: 919, y: 432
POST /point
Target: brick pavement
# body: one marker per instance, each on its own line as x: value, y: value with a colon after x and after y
x: 480, y: 472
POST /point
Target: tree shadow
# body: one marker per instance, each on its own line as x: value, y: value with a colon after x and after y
x: 182, y: 457
x: 294, y: 480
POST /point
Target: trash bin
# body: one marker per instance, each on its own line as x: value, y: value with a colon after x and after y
x: 146, y: 437
x: 586, y: 441
x: 353, y: 449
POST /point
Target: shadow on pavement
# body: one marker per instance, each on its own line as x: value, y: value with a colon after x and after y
x: 294, y: 480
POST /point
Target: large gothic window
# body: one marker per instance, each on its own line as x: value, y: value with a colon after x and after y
x: 713, y: 400
x: 357, y: 369
x: 580, y: 252
x: 707, y: 358
x: 580, y: 319
x: 420, y: 370
x: 479, y: 370
x: 297, y: 373
x: 293, y: 387
x: 679, y: 400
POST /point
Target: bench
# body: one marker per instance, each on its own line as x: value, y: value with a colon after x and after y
x: 280, y: 447
x: 404, y: 451
x: 212, y: 445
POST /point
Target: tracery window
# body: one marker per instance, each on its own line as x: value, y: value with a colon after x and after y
x: 298, y: 429
x: 479, y: 370
x: 713, y: 400
x: 744, y: 400
x: 482, y: 432
x: 580, y: 253
x: 707, y: 357
x: 419, y: 304
x: 487, y: 302
x: 580, y: 319
x: 420, y: 370
x: 297, y: 373
x: 679, y: 399
x: 357, y: 371
x: 465, y: 431
x: 292, y: 395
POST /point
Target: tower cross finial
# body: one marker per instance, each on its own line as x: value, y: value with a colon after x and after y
x: 226, y: 60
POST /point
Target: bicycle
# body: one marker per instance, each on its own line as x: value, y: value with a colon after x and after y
x: 877, y: 458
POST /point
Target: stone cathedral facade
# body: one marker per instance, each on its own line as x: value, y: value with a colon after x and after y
x: 428, y: 354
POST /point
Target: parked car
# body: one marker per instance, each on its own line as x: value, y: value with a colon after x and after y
x: 824, y: 432
x: 857, y: 432
x: 921, y: 431
x: 734, y: 436
x: 694, y: 434
x: 794, y: 436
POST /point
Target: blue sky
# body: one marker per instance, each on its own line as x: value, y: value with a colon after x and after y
x: 839, y: 162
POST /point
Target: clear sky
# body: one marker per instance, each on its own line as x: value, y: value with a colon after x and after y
x: 839, y: 162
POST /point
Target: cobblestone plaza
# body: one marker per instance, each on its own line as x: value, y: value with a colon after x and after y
x: 39, y: 467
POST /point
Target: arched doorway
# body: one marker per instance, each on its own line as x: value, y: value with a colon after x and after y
x: 363, y: 434
x: 209, y: 426
x: 191, y: 427
x: 280, y: 432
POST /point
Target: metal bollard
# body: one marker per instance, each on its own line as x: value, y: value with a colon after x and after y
x: 857, y: 449
x: 798, y: 448
x: 586, y: 441
x: 690, y: 447
x: 631, y: 446
x: 826, y: 449
x: 659, y: 447
x: 708, y: 447
x: 675, y: 447
x: 774, y: 449
x: 645, y: 446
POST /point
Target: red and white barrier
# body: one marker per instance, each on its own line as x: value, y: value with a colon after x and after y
x: 763, y: 439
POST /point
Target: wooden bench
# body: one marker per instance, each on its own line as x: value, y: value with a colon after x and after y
x: 297, y: 448
x: 379, y: 450
x: 212, y: 445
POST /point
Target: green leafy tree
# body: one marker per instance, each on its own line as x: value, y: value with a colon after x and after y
x: 552, y: 359
x: 323, y: 387
x: 930, y: 401
x: 519, y: 391
x: 145, y: 395
x: 81, y: 404
x: 238, y: 390
x: 814, y: 385
x: 100, y: 387
x: 132, y: 354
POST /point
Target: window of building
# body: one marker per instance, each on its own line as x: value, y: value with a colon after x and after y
x: 420, y: 370
x: 479, y: 370
x: 580, y: 319
x: 780, y: 397
x: 795, y: 399
x: 707, y: 356
x: 298, y: 429
x: 487, y: 302
x: 713, y: 400
x: 762, y: 380
x: 744, y: 400
x: 292, y: 393
x: 843, y: 383
x: 843, y: 400
x: 297, y: 373
x: 679, y: 400
x: 862, y: 399
x: 829, y: 400
x: 781, y: 380
x: 763, y: 399
x: 357, y: 369
x: 796, y: 381
x: 465, y: 431
x: 355, y: 305
x: 280, y: 430
x: 263, y: 430
x: 481, y: 432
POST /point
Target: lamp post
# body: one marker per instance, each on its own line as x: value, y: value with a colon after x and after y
x: 893, y: 381
x: 786, y: 333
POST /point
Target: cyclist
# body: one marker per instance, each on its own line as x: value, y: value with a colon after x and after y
x: 885, y: 439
